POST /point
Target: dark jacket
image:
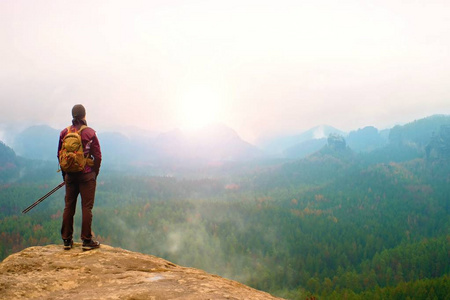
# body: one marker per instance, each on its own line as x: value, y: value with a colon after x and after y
x: 91, y: 145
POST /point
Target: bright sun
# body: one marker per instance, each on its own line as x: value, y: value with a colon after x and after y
x: 199, y: 106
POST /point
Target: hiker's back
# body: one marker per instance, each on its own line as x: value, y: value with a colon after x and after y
x: 80, y: 158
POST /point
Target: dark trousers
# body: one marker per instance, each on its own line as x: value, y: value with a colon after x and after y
x: 84, y: 184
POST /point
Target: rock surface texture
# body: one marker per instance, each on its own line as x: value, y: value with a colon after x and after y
x: 49, y: 272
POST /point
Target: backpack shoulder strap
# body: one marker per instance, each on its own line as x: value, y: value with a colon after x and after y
x: 67, y: 131
x: 81, y: 128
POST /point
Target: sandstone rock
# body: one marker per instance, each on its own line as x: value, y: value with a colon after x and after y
x: 49, y: 272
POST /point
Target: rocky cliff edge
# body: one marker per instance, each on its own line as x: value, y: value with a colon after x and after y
x: 49, y: 272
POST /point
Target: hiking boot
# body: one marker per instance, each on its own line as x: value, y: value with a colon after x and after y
x: 68, y: 244
x: 90, y: 244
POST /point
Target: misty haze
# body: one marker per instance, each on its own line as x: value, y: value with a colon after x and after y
x: 302, y: 149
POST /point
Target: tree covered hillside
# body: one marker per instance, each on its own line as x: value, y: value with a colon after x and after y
x: 335, y: 225
x: 8, y: 163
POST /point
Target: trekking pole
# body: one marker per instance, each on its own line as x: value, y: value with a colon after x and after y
x: 43, y: 197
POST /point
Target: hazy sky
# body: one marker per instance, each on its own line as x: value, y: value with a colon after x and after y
x: 260, y: 67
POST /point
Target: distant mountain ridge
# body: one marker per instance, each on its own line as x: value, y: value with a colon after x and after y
x: 37, y: 142
x: 219, y: 143
x: 211, y: 144
x: 289, y: 143
x: 418, y: 131
x: 299, y: 146
x: 367, y: 139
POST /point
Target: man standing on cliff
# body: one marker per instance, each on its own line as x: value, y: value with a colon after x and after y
x: 80, y: 182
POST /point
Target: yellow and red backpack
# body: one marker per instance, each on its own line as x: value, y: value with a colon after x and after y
x: 71, y: 156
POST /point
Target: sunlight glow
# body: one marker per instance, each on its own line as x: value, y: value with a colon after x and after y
x: 200, y: 106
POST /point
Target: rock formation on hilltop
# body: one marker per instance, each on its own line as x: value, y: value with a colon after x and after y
x: 49, y: 272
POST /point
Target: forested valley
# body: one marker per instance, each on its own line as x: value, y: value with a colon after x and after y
x: 335, y: 225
